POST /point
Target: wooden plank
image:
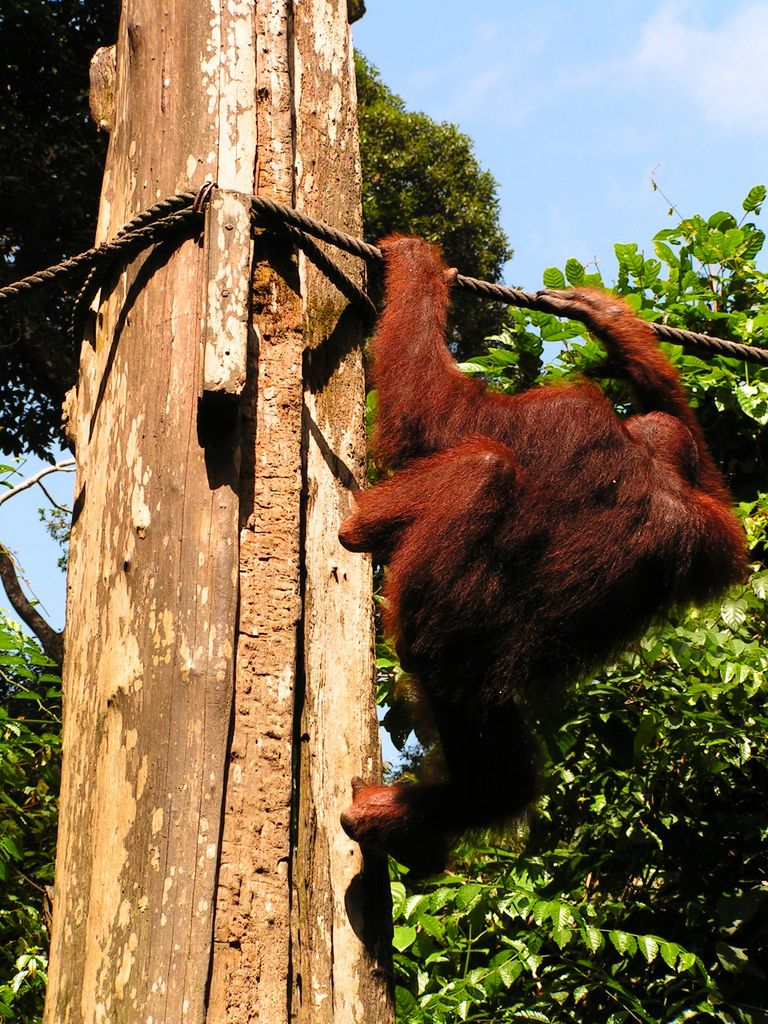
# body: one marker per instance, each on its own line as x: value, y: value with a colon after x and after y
x: 229, y: 254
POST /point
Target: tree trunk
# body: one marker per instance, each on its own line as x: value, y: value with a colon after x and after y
x: 218, y: 676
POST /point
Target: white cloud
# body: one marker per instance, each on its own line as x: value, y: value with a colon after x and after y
x: 721, y: 70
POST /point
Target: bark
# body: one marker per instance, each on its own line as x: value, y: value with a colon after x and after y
x: 252, y: 951
x: 281, y: 922
x: 153, y: 572
x: 209, y: 603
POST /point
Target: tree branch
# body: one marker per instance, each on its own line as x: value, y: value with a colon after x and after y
x: 51, y: 641
x: 51, y: 499
x: 36, y: 478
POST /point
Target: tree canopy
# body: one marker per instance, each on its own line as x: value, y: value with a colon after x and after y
x: 421, y: 177
x: 51, y: 167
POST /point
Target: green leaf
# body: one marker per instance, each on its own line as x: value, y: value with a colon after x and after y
x: 732, y: 242
x: 625, y: 253
x: 560, y: 915
x: 404, y: 937
x: 508, y: 969
x: 760, y: 585
x: 9, y: 845
x: 734, y: 613
x: 411, y: 905
x: 468, y: 895
x: 574, y: 271
x: 562, y: 936
x: 650, y: 274
x: 541, y: 910
x: 669, y: 954
x: 646, y: 734
x: 721, y: 221
x: 623, y: 942
x: 685, y: 961
x: 473, y: 368
x: 648, y: 946
x: 553, y: 278
x: 433, y: 926
x: 593, y: 938
x: 405, y: 1003
x: 665, y: 253
x: 753, y: 244
x: 753, y: 399
x: 755, y: 198
x: 398, y: 898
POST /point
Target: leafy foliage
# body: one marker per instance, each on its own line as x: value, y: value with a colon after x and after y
x: 52, y: 163
x: 421, y: 177
x: 638, y: 890
x: 57, y: 522
x: 30, y: 747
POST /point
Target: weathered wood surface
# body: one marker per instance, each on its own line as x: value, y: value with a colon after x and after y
x: 252, y: 948
x: 152, y: 582
x: 343, y: 971
x: 178, y: 897
x: 229, y: 250
x: 292, y: 515
x: 252, y: 952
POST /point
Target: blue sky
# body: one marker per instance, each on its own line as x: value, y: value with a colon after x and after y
x: 572, y: 107
x: 22, y: 533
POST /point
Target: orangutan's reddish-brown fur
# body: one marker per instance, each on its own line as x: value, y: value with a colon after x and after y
x: 528, y: 539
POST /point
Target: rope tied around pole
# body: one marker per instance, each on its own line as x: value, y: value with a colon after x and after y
x: 184, y: 210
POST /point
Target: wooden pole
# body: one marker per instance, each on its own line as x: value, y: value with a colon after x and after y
x: 218, y: 672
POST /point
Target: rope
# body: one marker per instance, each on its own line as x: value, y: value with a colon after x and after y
x: 162, y: 218
x: 335, y: 274
x: 133, y: 237
x: 185, y: 208
x: 269, y: 209
x: 272, y: 210
x: 687, y: 339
